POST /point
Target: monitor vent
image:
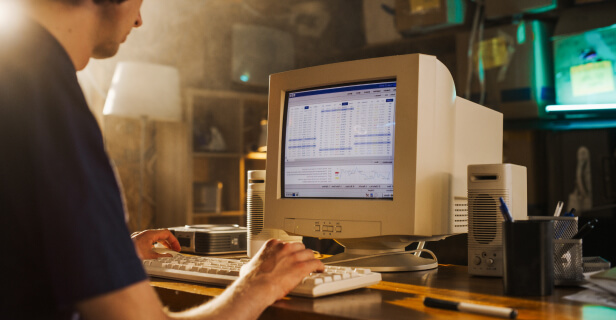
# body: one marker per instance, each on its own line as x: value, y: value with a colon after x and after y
x: 460, y: 213
x: 485, y: 217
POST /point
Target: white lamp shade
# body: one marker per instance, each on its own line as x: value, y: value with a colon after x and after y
x: 141, y: 89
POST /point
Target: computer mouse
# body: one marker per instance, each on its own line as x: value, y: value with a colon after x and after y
x: 164, y: 250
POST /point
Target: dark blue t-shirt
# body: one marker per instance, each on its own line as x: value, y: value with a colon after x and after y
x: 64, y: 238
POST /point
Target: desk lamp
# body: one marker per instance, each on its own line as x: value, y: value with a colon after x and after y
x: 144, y: 91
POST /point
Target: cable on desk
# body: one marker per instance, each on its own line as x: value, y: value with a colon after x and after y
x: 385, y: 254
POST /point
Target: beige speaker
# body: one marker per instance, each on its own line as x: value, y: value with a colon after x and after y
x: 486, y: 184
x: 257, y: 234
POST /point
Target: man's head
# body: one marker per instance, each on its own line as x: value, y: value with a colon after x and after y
x: 86, y: 28
x: 117, y: 19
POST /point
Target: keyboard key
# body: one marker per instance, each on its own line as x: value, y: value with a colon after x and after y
x: 313, y: 281
x: 362, y: 271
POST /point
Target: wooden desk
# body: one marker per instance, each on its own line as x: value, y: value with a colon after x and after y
x: 399, y: 296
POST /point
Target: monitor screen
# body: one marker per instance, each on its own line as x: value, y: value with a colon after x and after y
x: 338, y: 141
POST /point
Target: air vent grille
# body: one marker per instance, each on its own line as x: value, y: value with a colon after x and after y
x: 255, y: 204
x: 460, y: 214
x: 219, y: 242
x: 484, y: 216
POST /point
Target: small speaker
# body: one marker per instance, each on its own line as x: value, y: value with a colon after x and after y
x: 257, y: 234
x: 486, y: 184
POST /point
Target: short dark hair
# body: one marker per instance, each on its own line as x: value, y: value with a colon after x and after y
x: 113, y: 1
x: 76, y: 2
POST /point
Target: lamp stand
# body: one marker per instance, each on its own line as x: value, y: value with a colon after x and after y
x: 144, y: 122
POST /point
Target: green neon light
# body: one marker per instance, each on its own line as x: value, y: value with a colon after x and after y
x: 541, y: 63
x: 541, y: 9
x: 580, y: 107
x: 522, y: 32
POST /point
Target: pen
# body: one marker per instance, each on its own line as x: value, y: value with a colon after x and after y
x: 505, y: 211
x: 562, y: 226
x: 570, y: 213
x: 585, y: 229
x: 471, y: 307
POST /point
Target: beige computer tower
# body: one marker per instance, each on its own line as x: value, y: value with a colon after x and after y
x: 486, y: 184
x: 258, y: 235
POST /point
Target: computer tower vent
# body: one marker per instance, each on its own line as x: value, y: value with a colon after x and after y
x: 255, y: 210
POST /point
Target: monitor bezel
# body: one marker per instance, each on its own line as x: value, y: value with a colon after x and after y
x: 377, y: 215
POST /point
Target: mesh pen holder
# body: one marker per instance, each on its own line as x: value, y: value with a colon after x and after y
x: 564, y: 227
x: 568, y: 262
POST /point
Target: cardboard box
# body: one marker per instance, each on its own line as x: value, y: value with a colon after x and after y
x: 584, y: 66
x: 517, y: 69
x: 523, y: 147
x: 584, y: 46
x: 379, y: 22
x: 417, y: 16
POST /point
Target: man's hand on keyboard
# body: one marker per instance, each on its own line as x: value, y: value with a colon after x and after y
x: 277, y: 268
x: 144, y: 242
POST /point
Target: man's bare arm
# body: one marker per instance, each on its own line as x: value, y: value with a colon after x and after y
x: 137, y: 301
x: 270, y: 275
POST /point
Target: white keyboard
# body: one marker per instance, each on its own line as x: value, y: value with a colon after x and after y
x: 219, y: 271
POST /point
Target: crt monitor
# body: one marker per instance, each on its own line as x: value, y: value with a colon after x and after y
x: 373, y: 153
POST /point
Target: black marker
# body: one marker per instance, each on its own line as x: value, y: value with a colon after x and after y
x: 471, y: 307
x: 585, y: 229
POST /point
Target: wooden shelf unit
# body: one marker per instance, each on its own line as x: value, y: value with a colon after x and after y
x: 236, y: 116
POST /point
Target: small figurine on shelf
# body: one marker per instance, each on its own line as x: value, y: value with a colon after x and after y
x: 581, y: 197
x: 216, y: 141
x: 207, y: 139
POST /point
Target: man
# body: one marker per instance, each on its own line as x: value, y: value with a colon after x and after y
x: 67, y: 248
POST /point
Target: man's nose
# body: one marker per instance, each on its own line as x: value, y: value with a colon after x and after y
x: 139, y: 21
